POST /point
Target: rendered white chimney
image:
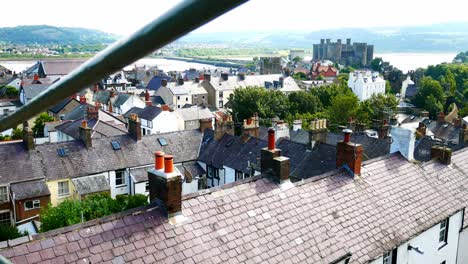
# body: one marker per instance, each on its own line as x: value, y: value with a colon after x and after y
x: 403, y: 140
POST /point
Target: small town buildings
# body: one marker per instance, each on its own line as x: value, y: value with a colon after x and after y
x: 366, y: 83
x: 220, y: 88
x: 192, y: 116
x: 59, y: 111
x: 176, y: 95
x: 124, y: 102
x: 408, y: 89
x: 324, y: 70
x: 28, y: 92
x: 157, y: 120
x: 53, y: 69
x: 270, y: 65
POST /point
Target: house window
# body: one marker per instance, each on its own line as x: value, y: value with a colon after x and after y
x: 186, y: 99
x: 443, y: 232
x: 239, y: 175
x: 178, y: 97
x: 29, y: 205
x: 220, y: 104
x: 5, y: 218
x: 147, y: 187
x: 63, y: 189
x: 120, y: 178
x: 212, y: 175
x: 195, y: 96
x: 150, y: 124
x: 178, y: 106
x: 390, y: 257
x: 221, y: 94
x: 443, y: 262
x: 203, y: 97
x: 3, y: 194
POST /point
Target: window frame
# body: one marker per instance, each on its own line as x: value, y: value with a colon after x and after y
x: 61, y: 194
x: 390, y: 257
x: 121, y: 174
x: 443, y: 232
x: 36, y: 204
x: 3, y: 221
x: 7, y: 199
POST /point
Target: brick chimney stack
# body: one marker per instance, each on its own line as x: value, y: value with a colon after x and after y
x: 442, y: 154
x: 384, y: 129
x: 165, y: 184
x: 112, y: 93
x: 28, y: 137
x: 206, y: 124
x: 250, y: 128
x: 82, y: 99
x: 109, y: 108
x: 92, y: 112
x: 225, y: 126
x: 85, y: 134
x: 272, y: 162
x: 349, y: 154
x: 317, y: 132
x: 134, y: 127
x: 36, y: 77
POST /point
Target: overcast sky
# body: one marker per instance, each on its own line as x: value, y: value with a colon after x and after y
x: 123, y: 17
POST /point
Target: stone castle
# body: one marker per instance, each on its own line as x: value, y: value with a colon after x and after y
x: 344, y: 53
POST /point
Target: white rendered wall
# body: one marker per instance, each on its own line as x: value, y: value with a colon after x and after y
x: 403, y: 140
x: 428, y: 242
x: 463, y: 247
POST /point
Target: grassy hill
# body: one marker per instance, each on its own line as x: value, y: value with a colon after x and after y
x: 43, y: 34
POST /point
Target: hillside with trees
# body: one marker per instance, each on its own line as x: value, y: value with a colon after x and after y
x: 43, y: 34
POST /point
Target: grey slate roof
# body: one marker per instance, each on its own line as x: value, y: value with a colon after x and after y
x: 150, y: 112
x: 133, y: 110
x: 102, y: 96
x: 60, y: 105
x: 140, y: 174
x: 91, y: 184
x: 29, y: 189
x: 320, y: 160
x: 444, y: 131
x: 33, y: 90
x: 77, y: 113
x: 318, y: 220
x: 422, y: 148
x: 194, y: 113
x: 121, y: 99
x: 299, y: 136
x: 19, y: 165
x: 373, y: 147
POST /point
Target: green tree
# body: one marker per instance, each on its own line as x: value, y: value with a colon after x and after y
x: 327, y: 92
x: 11, y: 92
x: 380, y: 105
x: 299, y: 76
x: 297, y: 59
x: 320, y: 77
x: 430, y: 95
x: 17, y: 134
x: 38, y: 127
x: 10, y: 232
x: 303, y: 102
x: 377, y: 64
x: 342, y: 107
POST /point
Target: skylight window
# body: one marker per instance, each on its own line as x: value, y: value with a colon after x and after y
x: 62, y: 152
x: 115, y: 145
x: 162, y: 142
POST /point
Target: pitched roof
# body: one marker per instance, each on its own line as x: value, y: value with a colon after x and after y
x: 56, y: 108
x: 150, y: 112
x: 18, y: 164
x: 133, y: 110
x: 77, y: 113
x: 422, y: 148
x: 102, y: 96
x: 33, y: 90
x: 91, y: 184
x: 98, y: 128
x: 121, y: 99
x: 29, y: 189
x: 194, y: 113
x: 373, y: 147
x: 61, y: 67
x: 319, y: 220
x: 156, y: 99
x: 444, y: 131
x: 234, y: 82
x: 155, y: 83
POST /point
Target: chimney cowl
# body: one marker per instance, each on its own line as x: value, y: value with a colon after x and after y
x: 168, y: 164
x: 347, y: 135
x: 271, y: 138
x: 159, y: 160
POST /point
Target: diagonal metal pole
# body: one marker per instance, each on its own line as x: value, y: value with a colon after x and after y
x: 177, y: 22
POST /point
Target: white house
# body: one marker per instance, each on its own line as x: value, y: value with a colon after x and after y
x: 156, y: 120
x: 404, y: 86
x: 366, y: 83
x: 124, y: 102
x: 183, y: 92
x: 438, y: 244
